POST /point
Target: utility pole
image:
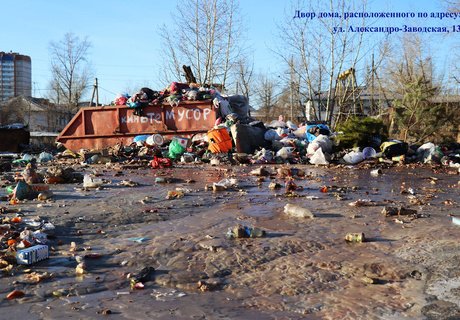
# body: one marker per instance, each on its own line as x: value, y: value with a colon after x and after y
x: 95, y: 92
x: 372, y: 109
x: 291, y: 65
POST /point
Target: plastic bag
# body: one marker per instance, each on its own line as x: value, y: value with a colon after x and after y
x: 322, y: 128
x: 263, y: 156
x: 277, y: 124
x: 285, y: 152
x: 45, y: 157
x: 353, y: 157
x: 322, y: 142
x: 140, y: 139
x: 27, y: 157
x: 271, y: 135
x: 223, y: 104
x: 394, y: 148
x: 158, y: 162
x: 227, y: 183
x: 429, y: 153
x: 291, y: 125
x: 318, y: 157
x: 300, y: 132
x: 23, y: 191
x: 175, y: 149
x: 133, y: 105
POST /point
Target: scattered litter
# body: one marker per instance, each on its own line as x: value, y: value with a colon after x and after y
x: 174, y: 194
x: 363, y: 203
x: 297, y: 212
x: 91, y: 182
x: 32, y: 254
x: 137, y: 280
x: 15, y: 294
x: 139, y: 239
x: 241, y: 231
x: 355, y: 237
x: 398, y: 211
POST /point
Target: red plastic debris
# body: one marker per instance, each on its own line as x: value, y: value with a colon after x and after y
x: 160, y: 163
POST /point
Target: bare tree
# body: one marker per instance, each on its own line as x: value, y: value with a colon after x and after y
x: 245, y: 77
x: 206, y: 36
x: 322, y: 47
x: 70, y: 70
x: 266, y: 96
x: 14, y: 111
x: 453, y: 5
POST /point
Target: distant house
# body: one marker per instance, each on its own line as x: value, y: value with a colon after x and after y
x: 38, y: 114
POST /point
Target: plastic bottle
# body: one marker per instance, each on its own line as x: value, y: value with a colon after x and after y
x: 90, y: 182
x: 297, y: 212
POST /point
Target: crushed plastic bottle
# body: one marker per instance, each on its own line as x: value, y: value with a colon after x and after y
x: 297, y: 212
x: 225, y: 184
x: 91, y: 182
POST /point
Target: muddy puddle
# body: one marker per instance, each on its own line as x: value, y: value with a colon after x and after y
x: 301, y: 269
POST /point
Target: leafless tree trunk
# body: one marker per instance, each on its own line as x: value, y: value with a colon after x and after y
x: 70, y: 69
x: 265, y: 95
x: 205, y: 35
x: 454, y: 6
x: 324, y: 46
x: 244, y: 77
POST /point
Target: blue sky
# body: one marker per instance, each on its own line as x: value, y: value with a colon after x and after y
x: 125, y: 39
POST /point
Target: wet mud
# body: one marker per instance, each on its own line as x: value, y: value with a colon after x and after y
x: 301, y: 268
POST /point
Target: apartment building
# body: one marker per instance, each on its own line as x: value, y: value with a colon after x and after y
x: 15, y: 75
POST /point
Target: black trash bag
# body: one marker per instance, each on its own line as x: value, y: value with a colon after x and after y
x: 395, y: 149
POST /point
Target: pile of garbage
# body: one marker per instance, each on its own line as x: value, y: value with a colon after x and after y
x: 177, y: 92
x: 279, y: 142
x: 238, y: 138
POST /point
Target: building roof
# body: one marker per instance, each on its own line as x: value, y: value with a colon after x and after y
x: 35, y: 104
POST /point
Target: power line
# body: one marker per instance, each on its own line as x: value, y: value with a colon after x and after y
x: 107, y: 90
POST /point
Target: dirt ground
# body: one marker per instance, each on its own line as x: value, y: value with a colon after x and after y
x: 301, y: 269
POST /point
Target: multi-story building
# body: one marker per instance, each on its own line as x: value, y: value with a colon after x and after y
x: 15, y: 75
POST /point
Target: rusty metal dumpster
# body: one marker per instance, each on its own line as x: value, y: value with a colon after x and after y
x: 101, y: 127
